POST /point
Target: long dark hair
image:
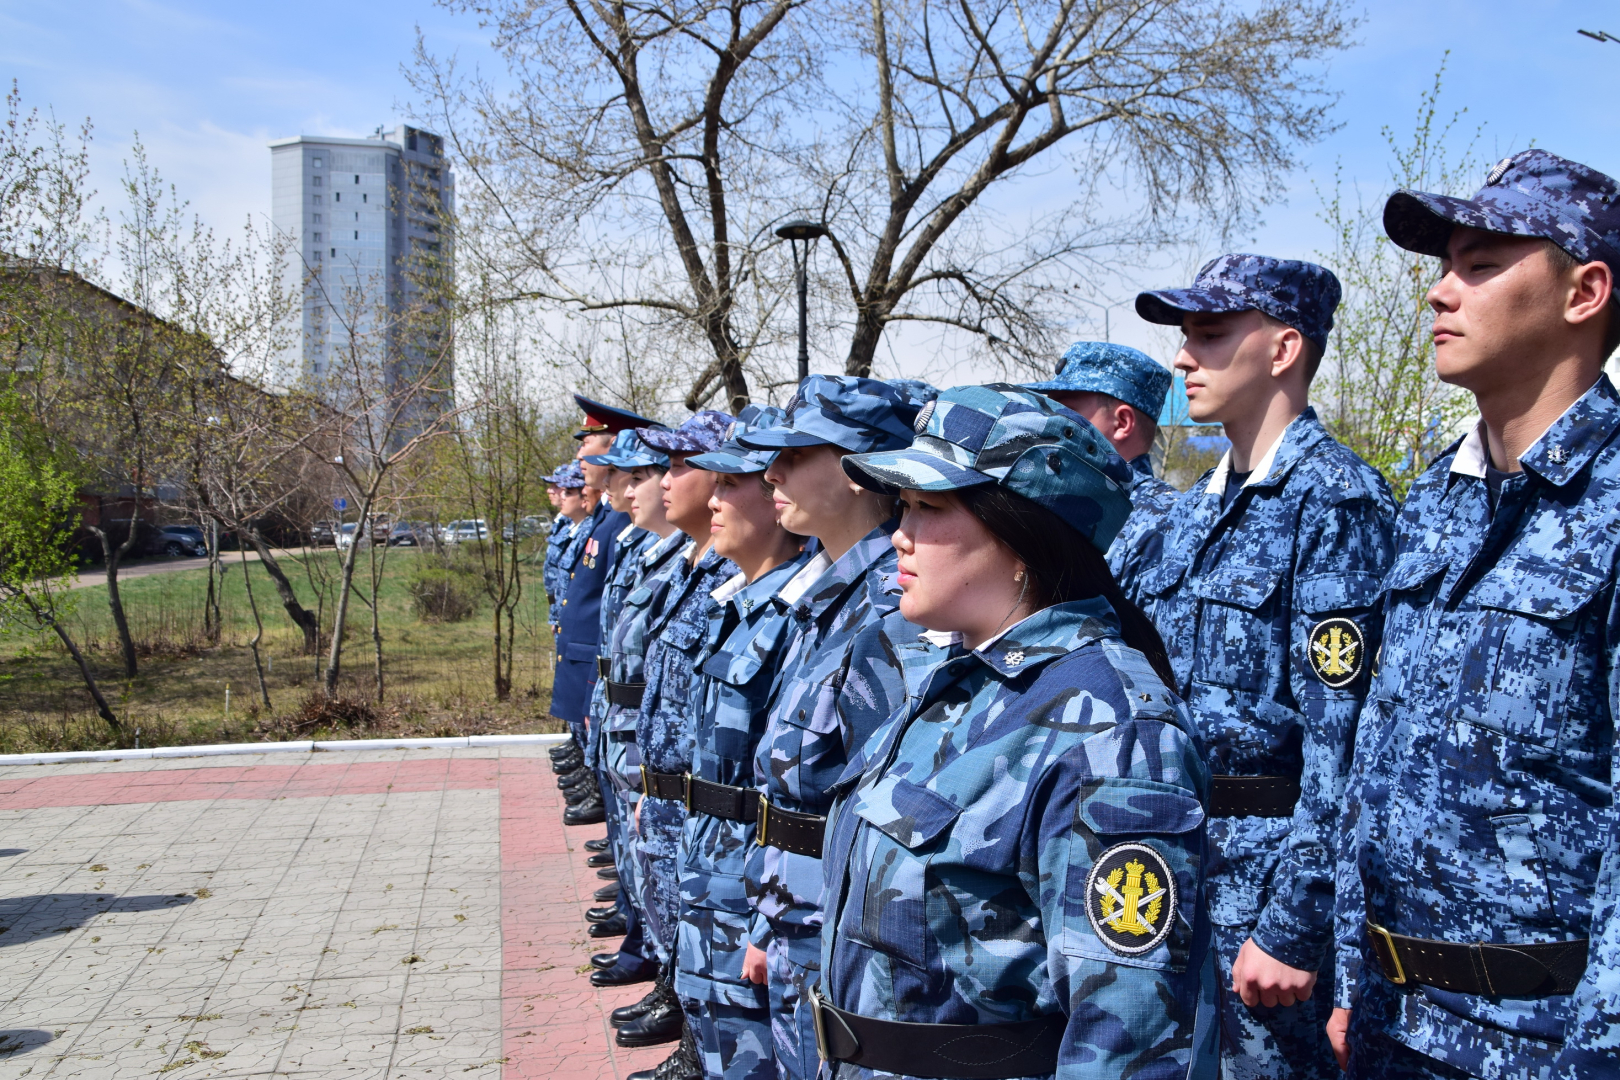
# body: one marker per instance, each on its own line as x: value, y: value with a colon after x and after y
x: 1062, y: 565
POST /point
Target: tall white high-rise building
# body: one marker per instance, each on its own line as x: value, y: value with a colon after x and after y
x: 366, y: 216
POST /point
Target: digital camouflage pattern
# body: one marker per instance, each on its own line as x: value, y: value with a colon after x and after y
x: 1236, y: 594
x: 1298, y: 294
x: 737, y: 667
x: 628, y: 548
x: 1141, y: 541
x: 701, y: 433
x: 675, y: 635
x: 1483, y: 801
x: 959, y: 855
x: 1532, y: 193
x: 1119, y: 371
x: 553, y: 576
x: 1017, y: 438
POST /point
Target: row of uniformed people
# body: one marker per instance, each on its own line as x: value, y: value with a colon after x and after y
x: 1030, y: 869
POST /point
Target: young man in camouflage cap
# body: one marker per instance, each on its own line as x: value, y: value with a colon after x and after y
x: 1121, y: 391
x: 1263, y: 590
x: 1478, y: 898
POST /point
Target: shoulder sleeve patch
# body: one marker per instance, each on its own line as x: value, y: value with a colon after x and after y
x: 1337, y: 652
x: 1131, y: 898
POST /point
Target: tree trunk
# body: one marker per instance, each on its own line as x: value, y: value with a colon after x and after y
x: 102, y: 707
x: 863, y: 345
x: 376, y: 614
x: 334, y: 656
x: 303, y: 618
x: 258, y: 627
x: 503, y: 677
x: 113, y: 555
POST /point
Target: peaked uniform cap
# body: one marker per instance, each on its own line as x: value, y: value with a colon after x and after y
x: 1533, y: 194
x: 859, y: 415
x: 1295, y: 293
x: 603, y: 419
x: 702, y: 432
x: 1019, y: 439
x: 628, y: 452
x: 732, y: 456
x: 1119, y: 371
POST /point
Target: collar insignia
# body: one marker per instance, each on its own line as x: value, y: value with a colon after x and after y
x: 1131, y: 898
x: 1337, y: 652
x: 1015, y: 657
x: 1557, y: 455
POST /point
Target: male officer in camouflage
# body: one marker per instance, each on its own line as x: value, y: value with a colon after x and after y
x: 567, y: 482
x: 1478, y: 896
x: 1269, y: 568
x: 1121, y: 391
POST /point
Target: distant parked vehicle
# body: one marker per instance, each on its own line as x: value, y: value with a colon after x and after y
x: 411, y: 534
x: 176, y: 541
x: 345, y: 536
x: 461, y: 531
x: 523, y: 528
x: 322, y: 533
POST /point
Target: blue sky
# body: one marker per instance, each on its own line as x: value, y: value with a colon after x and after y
x: 208, y: 85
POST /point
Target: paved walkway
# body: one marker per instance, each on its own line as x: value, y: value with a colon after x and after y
x: 395, y: 913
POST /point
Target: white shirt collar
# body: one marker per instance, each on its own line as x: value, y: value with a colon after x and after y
x: 731, y: 588
x: 1470, y: 459
x: 1257, y: 475
x: 801, y: 582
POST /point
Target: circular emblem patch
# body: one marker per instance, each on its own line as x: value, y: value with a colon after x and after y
x: 1131, y: 898
x: 1337, y: 652
x: 924, y: 414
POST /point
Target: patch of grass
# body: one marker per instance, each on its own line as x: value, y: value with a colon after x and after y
x: 437, y: 676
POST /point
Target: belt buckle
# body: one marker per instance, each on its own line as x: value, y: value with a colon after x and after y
x: 814, y: 996
x: 686, y: 783
x: 1399, y: 978
x: 764, y: 819
x: 646, y: 781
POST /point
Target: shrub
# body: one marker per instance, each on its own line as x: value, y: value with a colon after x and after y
x: 440, y: 595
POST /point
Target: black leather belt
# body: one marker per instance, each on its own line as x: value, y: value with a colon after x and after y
x: 603, y: 663
x: 953, y: 1051
x: 626, y: 695
x: 798, y: 833
x: 626, y: 735
x: 1252, y: 796
x: 721, y: 800
x: 663, y: 785
x: 1515, y: 971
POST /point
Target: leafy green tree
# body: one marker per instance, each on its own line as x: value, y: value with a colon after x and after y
x: 39, y: 509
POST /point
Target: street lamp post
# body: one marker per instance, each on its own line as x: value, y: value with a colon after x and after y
x: 795, y: 233
x: 1598, y: 35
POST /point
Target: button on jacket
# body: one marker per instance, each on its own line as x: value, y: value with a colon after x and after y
x: 960, y: 861
x: 1236, y: 595
x: 1482, y: 805
x: 1140, y: 542
x: 736, y: 669
x: 837, y: 683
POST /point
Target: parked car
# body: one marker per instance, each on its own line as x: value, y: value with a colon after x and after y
x: 178, y: 540
x: 411, y: 534
x: 524, y: 528
x: 345, y: 536
x: 459, y: 531
x: 322, y: 533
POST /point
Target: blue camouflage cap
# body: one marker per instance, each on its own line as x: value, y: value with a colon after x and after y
x: 1022, y: 440
x: 702, y: 432
x: 733, y: 456
x: 1119, y: 371
x: 1531, y: 194
x: 569, y: 475
x: 628, y: 452
x: 1298, y: 294
x: 859, y: 415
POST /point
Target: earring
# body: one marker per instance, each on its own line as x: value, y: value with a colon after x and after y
x: 1018, y: 576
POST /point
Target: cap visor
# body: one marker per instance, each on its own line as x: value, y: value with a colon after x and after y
x: 910, y: 470
x: 779, y: 438
x: 1167, y: 307
x: 1422, y: 222
x: 721, y: 461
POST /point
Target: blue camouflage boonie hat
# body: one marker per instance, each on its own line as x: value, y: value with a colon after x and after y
x: 1022, y: 440
x: 569, y: 475
x: 1531, y: 194
x: 1298, y: 294
x: 628, y: 452
x: 859, y: 415
x: 1119, y: 371
x: 733, y: 456
x: 702, y: 432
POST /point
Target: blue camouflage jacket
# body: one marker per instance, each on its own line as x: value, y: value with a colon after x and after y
x: 628, y: 548
x: 1140, y: 542
x: 627, y: 653
x: 838, y: 681
x: 675, y: 634
x: 1483, y: 802
x: 736, y: 669
x: 555, y: 577
x: 1024, y: 838
x: 1236, y: 594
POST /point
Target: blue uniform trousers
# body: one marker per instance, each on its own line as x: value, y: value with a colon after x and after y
x: 1277, y: 1043
x: 662, y: 822
x: 794, y: 967
x: 733, y: 1042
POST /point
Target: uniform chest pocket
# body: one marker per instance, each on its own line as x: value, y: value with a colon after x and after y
x: 1162, y: 579
x: 1235, y: 635
x: 902, y: 910
x: 1520, y: 670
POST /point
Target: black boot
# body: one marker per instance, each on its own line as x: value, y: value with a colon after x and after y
x: 599, y: 860
x: 562, y: 749
x: 584, y: 793
x: 568, y: 762
x: 604, y: 960
x: 617, y: 926
x: 662, y: 1022
x: 570, y: 780
x: 608, y: 873
x: 626, y: 1013
x: 683, y: 1064
x: 606, y: 894
x: 599, y: 844
x: 601, y: 914
x: 588, y: 811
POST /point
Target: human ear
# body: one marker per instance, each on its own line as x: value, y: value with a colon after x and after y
x: 1590, y: 292
x: 1286, y: 351
x: 1124, y: 423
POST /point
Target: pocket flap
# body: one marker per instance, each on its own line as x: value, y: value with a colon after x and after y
x: 909, y: 814
x: 580, y: 650
x: 1130, y: 807
x: 739, y: 668
x: 1535, y: 587
x: 1247, y: 587
x: 1414, y: 569
x: 1319, y: 594
x: 1163, y: 577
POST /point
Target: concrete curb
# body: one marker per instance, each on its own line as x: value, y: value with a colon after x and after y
x: 459, y: 742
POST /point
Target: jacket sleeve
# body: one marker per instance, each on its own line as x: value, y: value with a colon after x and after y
x: 1338, y: 568
x: 1592, y: 1041
x: 1128, y: 799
